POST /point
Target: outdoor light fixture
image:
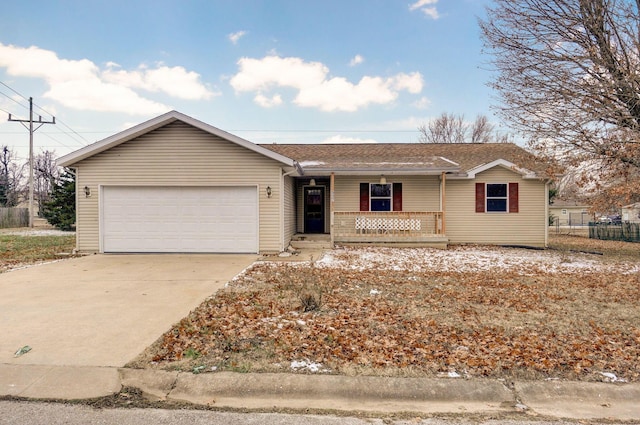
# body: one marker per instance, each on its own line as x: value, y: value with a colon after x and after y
x: 87, y: 191
x: 268, y: 191
x: 312, y: 182
x: 383, y: 180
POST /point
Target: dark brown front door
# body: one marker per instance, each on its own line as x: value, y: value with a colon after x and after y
x: 314, y: 209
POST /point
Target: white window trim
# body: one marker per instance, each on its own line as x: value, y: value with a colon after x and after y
x: 487, y: 197
x: 390, y: 197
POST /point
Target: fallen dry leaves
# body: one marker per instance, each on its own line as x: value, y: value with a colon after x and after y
x: 422, y: 312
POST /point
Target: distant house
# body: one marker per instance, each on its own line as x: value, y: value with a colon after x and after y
x: 570, y: 212
x: 631, y: 213
x: 176, y: 184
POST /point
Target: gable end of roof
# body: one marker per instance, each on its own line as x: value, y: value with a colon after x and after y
x: 471, y: 174
x: 158, y: 122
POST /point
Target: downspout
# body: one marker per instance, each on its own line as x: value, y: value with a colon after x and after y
x: 282, y: 211
x: 546, y: 214
x: 331, y: 205
x: 443, y: 201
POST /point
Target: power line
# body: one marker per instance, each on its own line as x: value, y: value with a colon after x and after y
x: 13, y: 90
x: 65, y: 125
x: 71, y: 132
x: 31, y: 121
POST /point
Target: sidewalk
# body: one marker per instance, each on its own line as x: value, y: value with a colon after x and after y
x: 558, y: 399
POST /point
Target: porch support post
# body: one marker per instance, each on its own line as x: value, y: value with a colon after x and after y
x: 331, y: 204
x: 444, y: 203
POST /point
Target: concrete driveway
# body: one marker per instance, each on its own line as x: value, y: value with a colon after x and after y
x: 103, y: 310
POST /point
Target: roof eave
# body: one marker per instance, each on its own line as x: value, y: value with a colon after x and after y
x: 160, y: 121
x: 385, y: 171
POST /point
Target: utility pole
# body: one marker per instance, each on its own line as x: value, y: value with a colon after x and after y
x: 39, y: 121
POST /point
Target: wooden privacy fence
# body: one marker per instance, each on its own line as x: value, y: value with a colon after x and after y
x: 628, y: 232
x: 14, y: 217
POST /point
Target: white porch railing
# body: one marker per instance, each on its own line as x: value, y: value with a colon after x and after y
x: 400, y: 226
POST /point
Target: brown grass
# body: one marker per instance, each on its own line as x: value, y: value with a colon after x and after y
x: 17, y: 250
x: 418, y: 323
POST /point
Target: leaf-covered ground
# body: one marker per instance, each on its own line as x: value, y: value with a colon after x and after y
x: 466, y: 311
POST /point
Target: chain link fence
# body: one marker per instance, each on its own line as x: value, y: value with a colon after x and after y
x: 628, y: 232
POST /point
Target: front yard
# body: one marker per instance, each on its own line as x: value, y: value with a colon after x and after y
x: 464, y: 312
x: 23, y: 247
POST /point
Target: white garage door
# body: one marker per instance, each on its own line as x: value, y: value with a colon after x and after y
x: 179, y: 219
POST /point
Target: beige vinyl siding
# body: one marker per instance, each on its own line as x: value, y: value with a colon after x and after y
x: 289, y: 209
x: 419, y: 193
x: 527, y: 227
x: 179, y: 155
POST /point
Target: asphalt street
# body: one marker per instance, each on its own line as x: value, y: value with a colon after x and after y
x: 37, y: 413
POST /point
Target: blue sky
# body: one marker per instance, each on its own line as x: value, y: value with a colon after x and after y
x: 282, y: 71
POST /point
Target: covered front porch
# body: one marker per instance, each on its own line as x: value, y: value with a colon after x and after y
x: 339, y: 209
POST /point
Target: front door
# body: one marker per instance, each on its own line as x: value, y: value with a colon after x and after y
x: 314, y: 209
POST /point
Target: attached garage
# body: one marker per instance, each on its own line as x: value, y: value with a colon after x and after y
x: 174, y: 184
x: 179, y: 219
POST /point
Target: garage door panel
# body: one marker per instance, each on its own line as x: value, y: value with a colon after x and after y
x: 179, y: 219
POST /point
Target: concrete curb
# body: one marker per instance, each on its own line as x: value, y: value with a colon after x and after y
x: 342, y: 393
x: 578, y: 400
x: 58, y: 382
x: 559, y: 399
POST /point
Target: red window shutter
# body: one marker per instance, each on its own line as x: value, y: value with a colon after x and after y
x: 513, y: 197
x: 480, y: 197
x: 364, y: 196
x: 397, y: 196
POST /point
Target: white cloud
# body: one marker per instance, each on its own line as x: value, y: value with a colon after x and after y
x: 260, y: 74
x: 315, y: 89
x: 175, y: 81
x: 268, y: 102
x: 357, y: 60
x: 346, y: 140
x: 81, y: 84
x: 422, y: 103
x: 427, y: 7
x: 236, y: 36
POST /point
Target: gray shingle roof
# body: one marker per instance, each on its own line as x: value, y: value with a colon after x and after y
x: 404, y: 156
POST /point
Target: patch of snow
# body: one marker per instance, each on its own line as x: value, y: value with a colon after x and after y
x: 308, y: 365
x: 375, y: 292
x: 453, y: 374
x: 38, y: 232
x: 469, y: 259
x: 310, y: 163
x: 611, y: 377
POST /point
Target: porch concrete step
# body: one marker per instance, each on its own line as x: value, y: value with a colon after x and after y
x: 311, y: 241
x: 311, y: 244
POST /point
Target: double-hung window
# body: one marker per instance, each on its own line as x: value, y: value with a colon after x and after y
x: 497, y: 197
x: 380, y: 197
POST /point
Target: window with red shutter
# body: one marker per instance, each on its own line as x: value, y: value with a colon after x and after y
x: 397, y: 196
x: 364, y: 196
x: 480, y: 200
x: 513, y: 198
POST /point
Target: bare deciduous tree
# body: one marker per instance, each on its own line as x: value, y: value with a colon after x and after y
x: 568, y: 77
x: 11, y: 176
x: 45, y: 175
x: 451, y: 128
